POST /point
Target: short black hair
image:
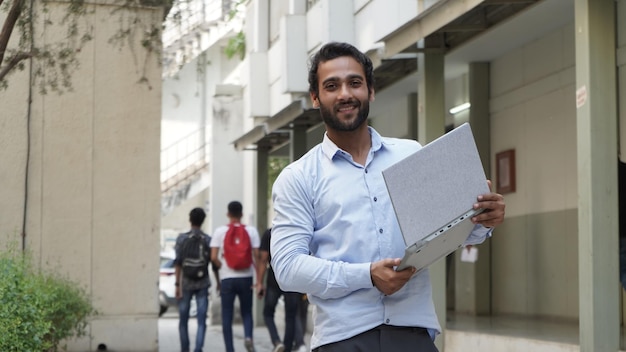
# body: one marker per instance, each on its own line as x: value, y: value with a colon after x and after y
x: 235, y: 209
x: 197, y: 216
x: 332, y: 51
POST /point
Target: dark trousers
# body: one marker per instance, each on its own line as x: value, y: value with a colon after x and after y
x: 202, y: 304
x: 240, y: 287
x: 385, y: 338
x: 293, y: 328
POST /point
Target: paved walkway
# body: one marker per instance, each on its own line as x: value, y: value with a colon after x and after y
x: 213, y: 342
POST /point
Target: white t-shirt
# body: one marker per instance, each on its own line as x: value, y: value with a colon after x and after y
x: 217, y: 241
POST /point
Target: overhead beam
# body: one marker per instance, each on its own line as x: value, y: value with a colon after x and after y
x: 425, y: 24
x: 506, y: 2
x: 285, y: 116
x: 250, y: 137
x: 271, y: 131
x: 465, y: 28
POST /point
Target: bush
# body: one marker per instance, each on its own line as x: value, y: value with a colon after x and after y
x: 38, y: 309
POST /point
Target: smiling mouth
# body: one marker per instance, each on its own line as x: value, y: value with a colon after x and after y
x: 347, y: 108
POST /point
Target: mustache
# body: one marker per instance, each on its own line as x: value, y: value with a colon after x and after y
x: 348, y: 103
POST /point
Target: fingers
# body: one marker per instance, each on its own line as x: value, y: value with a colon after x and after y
x: 391, y: 263
x: 494, y: 210
x: 386, y: 279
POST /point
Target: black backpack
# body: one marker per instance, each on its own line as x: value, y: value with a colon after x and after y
x: 195, y: 257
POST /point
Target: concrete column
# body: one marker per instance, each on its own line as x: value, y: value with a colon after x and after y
x: 479, y: 111
x: 430, y: 97
x: 297, y: 145
x: 262, y: 189
x: 597, y: 175
x: 473, y: 281
x: 262, y: 157
x: 431, y: 124
x: 412, y: 126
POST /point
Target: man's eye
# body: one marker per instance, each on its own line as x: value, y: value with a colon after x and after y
x: 330, y: 86
x: 356, y: 84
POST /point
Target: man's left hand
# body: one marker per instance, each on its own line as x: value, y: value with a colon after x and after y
x: 493, y: 205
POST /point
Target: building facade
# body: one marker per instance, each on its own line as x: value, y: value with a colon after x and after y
x: 80, y: 185
x: 543, y: 80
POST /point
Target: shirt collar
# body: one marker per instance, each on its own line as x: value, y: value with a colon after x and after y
x: 330, y: 149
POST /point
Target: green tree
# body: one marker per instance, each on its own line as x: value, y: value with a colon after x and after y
x: 276, y: 164
x: 54, y: 62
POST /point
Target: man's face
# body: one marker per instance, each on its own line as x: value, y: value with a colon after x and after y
x: 343, y: 95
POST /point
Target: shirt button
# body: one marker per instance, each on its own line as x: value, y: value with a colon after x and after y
x: 365, y: 170
x: 380, y: 230
x: 375, y: 199
x: 387, y: 321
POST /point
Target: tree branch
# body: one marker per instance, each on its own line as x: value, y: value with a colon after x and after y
x: 12, y: 63
x: 9, y: 24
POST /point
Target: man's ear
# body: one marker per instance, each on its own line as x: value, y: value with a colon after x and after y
x: 371, y: 95
x: 315, y: 100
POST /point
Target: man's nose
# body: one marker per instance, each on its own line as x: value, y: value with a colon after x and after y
x: 344, y: 91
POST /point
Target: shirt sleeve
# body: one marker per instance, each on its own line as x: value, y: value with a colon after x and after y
x: 292, y: 231
x: 216, y: 239
x: 177, y: 249
x: 265, y: 241
x: 255, y: 240
x: 478, y: 235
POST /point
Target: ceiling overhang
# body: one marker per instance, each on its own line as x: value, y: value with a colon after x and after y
x: 250, y: 137
x: 444, y: 26
x: 426, y: 23
x: 275, y: 131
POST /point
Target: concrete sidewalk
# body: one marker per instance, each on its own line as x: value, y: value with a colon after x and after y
x: 213, y: 341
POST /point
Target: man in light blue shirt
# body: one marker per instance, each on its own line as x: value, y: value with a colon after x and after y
x: 335, y: 235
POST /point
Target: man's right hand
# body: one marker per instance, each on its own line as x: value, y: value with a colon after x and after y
x: 386, y: 279
x: 260, y: 290
x: 179, y: 292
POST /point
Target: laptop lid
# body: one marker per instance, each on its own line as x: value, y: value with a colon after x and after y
x: 432, y: 192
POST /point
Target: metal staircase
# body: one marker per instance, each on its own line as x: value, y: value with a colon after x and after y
x: 184, y: 170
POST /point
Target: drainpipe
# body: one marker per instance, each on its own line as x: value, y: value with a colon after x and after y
x: 28, y: 120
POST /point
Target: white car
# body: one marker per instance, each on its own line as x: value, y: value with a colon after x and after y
x: 167, y: 287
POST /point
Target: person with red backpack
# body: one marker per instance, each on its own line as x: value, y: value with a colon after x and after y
x: 234, y: 249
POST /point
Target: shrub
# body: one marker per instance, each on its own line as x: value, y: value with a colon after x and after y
x: 38, y: 309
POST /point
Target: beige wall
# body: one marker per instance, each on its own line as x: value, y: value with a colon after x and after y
x: 535, y: 265
x: 621, y: 101
x: 93, y: 181
x: 535, y: 252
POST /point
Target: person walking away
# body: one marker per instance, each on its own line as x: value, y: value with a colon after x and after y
x: 270, y: 292
x: 192, y: 277
x: 234, y: 249
x: 333, y: 204
x: 302, y: 317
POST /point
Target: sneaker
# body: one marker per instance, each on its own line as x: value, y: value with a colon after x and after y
x: 279, y: 347
x: 302, y: 349
x: 249, y: 345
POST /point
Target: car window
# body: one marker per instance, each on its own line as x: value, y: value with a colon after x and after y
x: 167, y: 263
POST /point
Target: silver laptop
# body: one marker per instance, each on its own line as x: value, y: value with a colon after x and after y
x: 432, y: 192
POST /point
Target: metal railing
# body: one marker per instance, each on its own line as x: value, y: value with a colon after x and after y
x: 188, y: 16
x: 183, y: 159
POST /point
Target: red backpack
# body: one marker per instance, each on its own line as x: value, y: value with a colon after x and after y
x: 237, y: 247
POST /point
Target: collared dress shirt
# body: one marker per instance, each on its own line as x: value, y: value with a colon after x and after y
x: 333, y: 218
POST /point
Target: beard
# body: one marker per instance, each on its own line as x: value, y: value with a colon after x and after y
x: 333, y: 122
